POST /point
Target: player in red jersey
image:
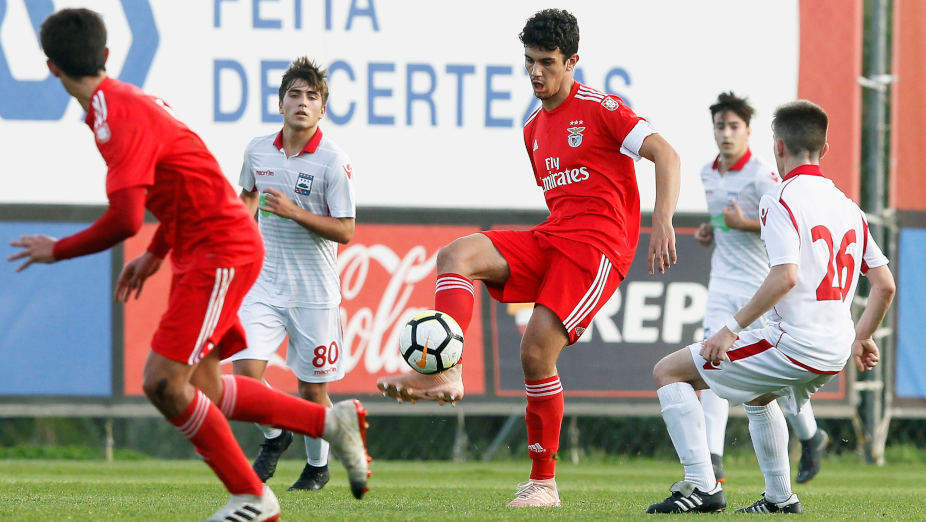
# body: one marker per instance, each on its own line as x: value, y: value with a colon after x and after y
x: 156, y: 162
x: 582, y: 145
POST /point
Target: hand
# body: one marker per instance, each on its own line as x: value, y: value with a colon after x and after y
x: 714, y: 350
x: 276, y: 202
x: 705, y: 234
x: 733, y: 215
x: 661, y: 248
x: 38, y: 248
x: 134, y: 274
x: 865, y: 353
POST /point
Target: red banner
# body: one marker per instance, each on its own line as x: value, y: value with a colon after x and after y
x: 387, y: 275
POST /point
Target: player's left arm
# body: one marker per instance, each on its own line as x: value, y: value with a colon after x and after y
x: 339, y: 193
x: 668, y: 182
x: 733, y: 217
x: 339, y: 229
x: 864, y: 349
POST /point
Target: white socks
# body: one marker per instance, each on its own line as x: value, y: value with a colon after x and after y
x: 317, y: 451
x: 716, y: 411
x: 769, y: 433
x: 269, y: 431
x: 804, y: 424
x: 684, y: 419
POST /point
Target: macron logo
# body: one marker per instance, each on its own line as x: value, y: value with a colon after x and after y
x: 264, y: 173
x: 764, y: 215
x: 536, y: 448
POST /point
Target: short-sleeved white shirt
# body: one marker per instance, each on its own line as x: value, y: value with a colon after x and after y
x: 811, y: 223
x: 300, y: 267
x: 738, y: 264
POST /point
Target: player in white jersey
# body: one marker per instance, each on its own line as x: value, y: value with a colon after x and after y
x: 733, y: 184
x: 299, y: 182
x: 817, y: 243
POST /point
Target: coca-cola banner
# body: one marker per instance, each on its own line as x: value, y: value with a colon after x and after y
x: 387, y: 275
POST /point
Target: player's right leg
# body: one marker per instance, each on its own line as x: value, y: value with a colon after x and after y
x: 265, y: 330
x: 676, y: 377
x: 463, y: 261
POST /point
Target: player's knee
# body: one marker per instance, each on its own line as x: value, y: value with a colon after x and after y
x: 536, y: 363
x: 662, y: 372
x: 451, y: 258
x: 160, y: 390
x: 314, y: 392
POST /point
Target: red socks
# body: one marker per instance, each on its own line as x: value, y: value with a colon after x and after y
x: 247, y: 399
x: 544, y: 419
x: 454, y: 295
x: 205, y: 426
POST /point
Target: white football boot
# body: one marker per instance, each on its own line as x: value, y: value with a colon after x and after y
x: 446, y: 386
x: 249, y: 508
x: 346, y: 431
x: 536, y: 493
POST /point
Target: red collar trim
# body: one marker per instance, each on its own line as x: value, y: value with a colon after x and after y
x: 310, y: 147
x: 736, y: 166
x: 809, y: 170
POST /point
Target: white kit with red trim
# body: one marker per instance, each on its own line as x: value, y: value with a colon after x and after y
x: 811, y: 223
x: 738, y: 264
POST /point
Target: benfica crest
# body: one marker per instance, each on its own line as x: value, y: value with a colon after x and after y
x: 575, y: 135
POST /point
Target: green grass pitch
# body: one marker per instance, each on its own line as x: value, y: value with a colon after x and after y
x: 153, y: 490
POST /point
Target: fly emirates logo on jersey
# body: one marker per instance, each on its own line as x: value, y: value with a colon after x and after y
x: 558, y: 178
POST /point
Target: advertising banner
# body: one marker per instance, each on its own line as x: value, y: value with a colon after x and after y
x: 387, y: 276
x: 421, y: 92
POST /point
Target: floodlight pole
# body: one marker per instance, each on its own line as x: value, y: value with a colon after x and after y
x: 874, y: 416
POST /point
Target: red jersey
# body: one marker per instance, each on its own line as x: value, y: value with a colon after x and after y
x: 582, y: 153
x: 201, y: 218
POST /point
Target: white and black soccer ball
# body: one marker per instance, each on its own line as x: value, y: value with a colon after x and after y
x: 431, y: 342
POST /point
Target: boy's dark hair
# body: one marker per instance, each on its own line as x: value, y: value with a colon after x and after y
x: 552, y: 29
x: 304, y: 69
x: 75, y: 41
x: 727, y: 101
x: 802, y: 126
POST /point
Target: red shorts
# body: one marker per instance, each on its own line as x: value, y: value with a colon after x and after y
x: 202, y: 313
x: 572, y: 279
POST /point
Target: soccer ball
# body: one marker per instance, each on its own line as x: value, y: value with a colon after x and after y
x: 431, y: 342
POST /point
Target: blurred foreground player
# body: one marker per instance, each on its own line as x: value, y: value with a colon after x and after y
x: 582, y: 145
x: 818, y: 243
x: 156, y: 162
x: 733, y: 185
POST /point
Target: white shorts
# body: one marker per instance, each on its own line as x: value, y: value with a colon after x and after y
x: 315, y: 351
x: 721, y: 306
x: 756, y: 367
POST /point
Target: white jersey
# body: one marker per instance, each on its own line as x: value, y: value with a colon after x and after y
x: 300, y: 267
x: 811, y: 223
x: 738, y: 264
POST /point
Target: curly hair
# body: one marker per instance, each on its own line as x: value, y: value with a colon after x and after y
x: 304, y: 69
x: 552, y: 29
x: 727, y: 101
x: 75, y: 41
